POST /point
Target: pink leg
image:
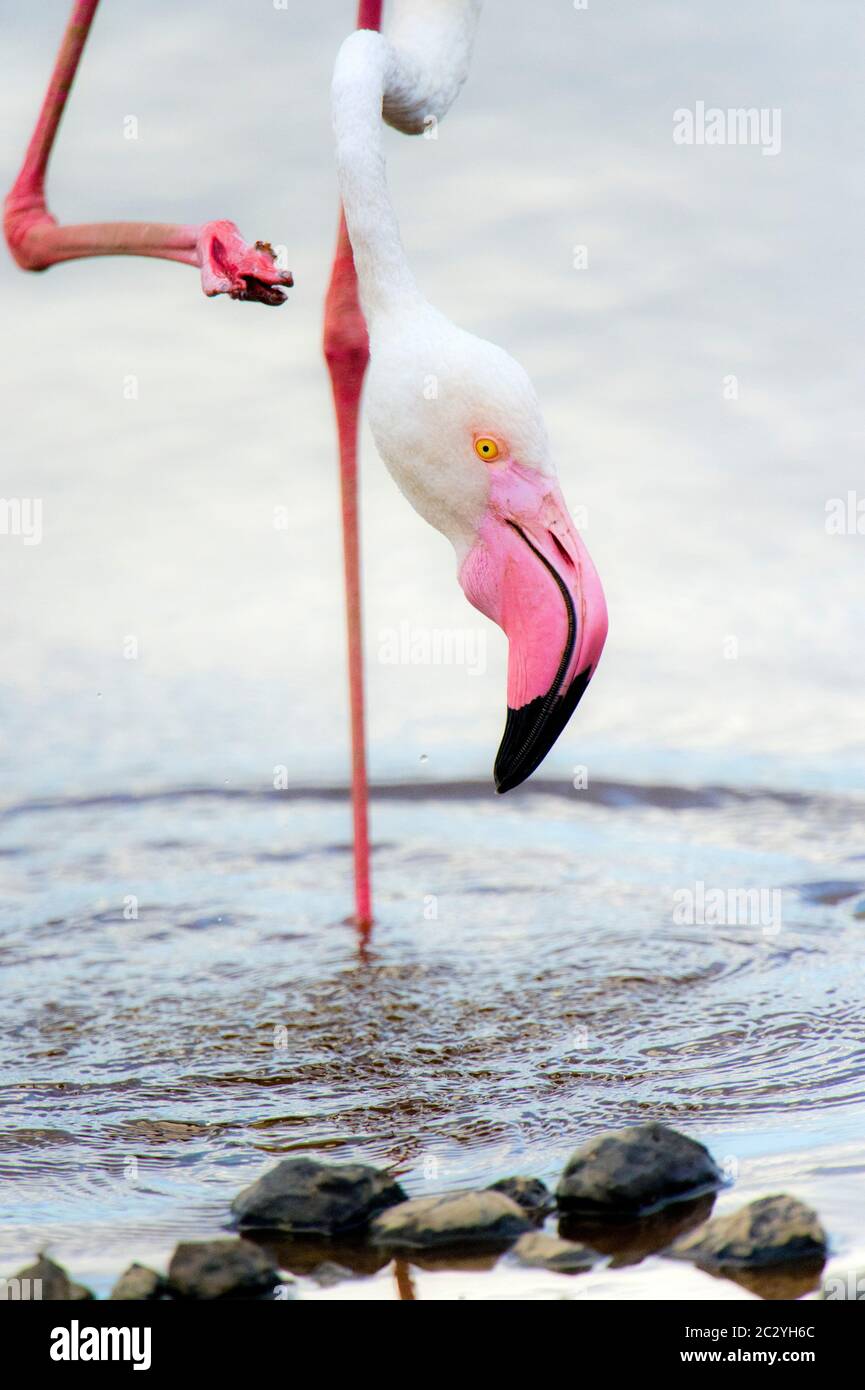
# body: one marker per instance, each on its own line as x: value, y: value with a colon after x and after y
x: 346, y: 348
x: 228, y: 265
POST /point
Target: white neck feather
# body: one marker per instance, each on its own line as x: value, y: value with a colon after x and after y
x: 408, y: 77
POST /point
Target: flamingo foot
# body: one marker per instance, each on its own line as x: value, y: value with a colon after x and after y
x: 230, y: 266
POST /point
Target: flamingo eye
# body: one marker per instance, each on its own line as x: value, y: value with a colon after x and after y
x: 486, y: 449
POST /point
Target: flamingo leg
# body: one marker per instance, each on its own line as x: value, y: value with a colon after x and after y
x: 35, y: 238
x: 346, y: 349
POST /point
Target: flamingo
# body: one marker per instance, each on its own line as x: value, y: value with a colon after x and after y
x: 472, y: 456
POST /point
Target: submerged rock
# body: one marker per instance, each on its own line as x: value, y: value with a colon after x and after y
x: 635, y: 1170
x: 550, y: 1252
x: 304, y: 1196
x: 56, y: 1286
x: 770, y: 1231
x: 455, y: 1218
x: 139, y: 1283
x: 207, y: 1269
x: 531, y: 1194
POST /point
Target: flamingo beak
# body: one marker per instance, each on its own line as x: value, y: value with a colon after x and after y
x: 531, y: 573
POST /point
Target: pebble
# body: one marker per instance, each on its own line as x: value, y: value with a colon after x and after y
x: 209, y: 1269
x: 56, y: 1284
x: 770, y: 1231
x: 636, y: 1170
x: 455, y: 1218
x: 531, y: 1194
x: 303, y: 1196
x: 139, y: 1283
x: 541, y: 1251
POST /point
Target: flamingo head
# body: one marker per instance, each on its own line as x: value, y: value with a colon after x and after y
x: 459, y: 426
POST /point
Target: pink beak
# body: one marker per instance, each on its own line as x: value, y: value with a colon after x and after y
x: 530, y: 572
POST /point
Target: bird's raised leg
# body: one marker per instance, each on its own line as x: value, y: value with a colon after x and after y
x: 346, y: 348
x: 228, y: 265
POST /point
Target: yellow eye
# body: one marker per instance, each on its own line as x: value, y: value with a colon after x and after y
x: 486, y: 449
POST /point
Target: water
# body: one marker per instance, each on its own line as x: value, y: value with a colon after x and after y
x: 525, y: 988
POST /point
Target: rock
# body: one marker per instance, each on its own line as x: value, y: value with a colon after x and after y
x: 206, y: 1269
x: 770, y: 1231
x: 304, y: 1196
x: 139, y: 1283
x: 636, y: 1170
x: 531, y: 1194
x: 56, y: 1284
x: 456, y: 1218
x: 549, y: 1252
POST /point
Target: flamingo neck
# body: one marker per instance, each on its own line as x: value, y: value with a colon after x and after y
x: 359, y: 84
x: 410, y: 78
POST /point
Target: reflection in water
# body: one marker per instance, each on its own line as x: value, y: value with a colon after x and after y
x: 404, y: 1286
x: 304, y: 1255
x: 526, y: 987
x: 458, y: 1258
x: 629, y: 1242
x: 773, y: 1281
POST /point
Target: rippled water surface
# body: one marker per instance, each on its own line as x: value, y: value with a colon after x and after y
x: 528, y: 984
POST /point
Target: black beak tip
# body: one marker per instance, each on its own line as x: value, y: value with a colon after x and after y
x: 504, y: 783
x: 531, y: 731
